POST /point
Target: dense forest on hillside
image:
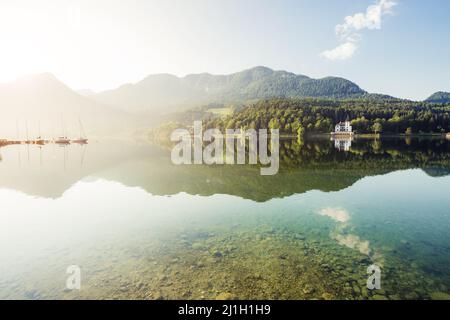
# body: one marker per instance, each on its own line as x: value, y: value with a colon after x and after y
x: 300, y: 116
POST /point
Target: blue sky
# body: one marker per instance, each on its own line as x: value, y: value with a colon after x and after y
x: 102, y: 44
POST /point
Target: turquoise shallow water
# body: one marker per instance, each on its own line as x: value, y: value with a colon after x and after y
x: 141, y: 228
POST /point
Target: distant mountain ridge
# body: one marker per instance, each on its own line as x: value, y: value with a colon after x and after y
x: 43, y: 105
x: 164, y: 92
x: 41, y: 101
x: 439, y: 97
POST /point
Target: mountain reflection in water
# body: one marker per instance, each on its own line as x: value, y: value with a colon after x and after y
x: 48, y: 171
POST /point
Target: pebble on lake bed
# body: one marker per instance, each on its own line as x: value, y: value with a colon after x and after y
x: 225, y: 296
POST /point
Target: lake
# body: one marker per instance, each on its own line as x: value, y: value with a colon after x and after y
x: 140, y: 227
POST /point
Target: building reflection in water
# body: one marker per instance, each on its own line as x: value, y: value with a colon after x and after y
x: 342, y: 143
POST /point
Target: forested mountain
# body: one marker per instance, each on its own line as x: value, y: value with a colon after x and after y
x: 439, y: 97
x: 164, y: 93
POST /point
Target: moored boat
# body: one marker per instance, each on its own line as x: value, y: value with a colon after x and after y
x: 62, y: 141
x: 80, y: 141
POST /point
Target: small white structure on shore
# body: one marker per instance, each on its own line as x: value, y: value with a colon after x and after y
x: 343, y: 128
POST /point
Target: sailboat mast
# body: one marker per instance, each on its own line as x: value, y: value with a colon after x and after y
x: 17, y: 130
x: 62, y: 127
x: 82, y: 133
x: 26, y: 128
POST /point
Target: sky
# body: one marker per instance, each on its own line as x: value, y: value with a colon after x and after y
x: 395, y: 47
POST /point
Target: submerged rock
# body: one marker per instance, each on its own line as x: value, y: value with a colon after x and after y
x: 411, y: 296
x: 437, y: 295
x: 158, y: 296
x: 356, y: 290
x: 32, y: 294
x: 225, y: 296
x: 308, y: 289
x: 379, y: 297
x: 197, y: 246
x: 327, y: 296
x: 299, y: 237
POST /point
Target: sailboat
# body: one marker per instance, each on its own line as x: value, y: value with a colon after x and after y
x: 39, y: 139
x: 81, y: 139
x: 62, y: 140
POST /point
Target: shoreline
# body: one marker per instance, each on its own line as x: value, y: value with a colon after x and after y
x: 370, y: 136
x: 345, y: 137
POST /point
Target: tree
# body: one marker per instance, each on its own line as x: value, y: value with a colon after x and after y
x: 295, y: 126
x: 360, y: 124
x: 377, y: 127
x: 409, y: 131
x: 274, y: 123
x: 300, y: 135
x: 300, y: 132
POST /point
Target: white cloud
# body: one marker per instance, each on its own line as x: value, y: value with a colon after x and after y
x: 370, y: 20
x: 348, y: 32
x: 341, y: 52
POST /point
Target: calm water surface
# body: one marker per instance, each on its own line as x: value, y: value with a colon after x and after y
x: 142, y: 228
